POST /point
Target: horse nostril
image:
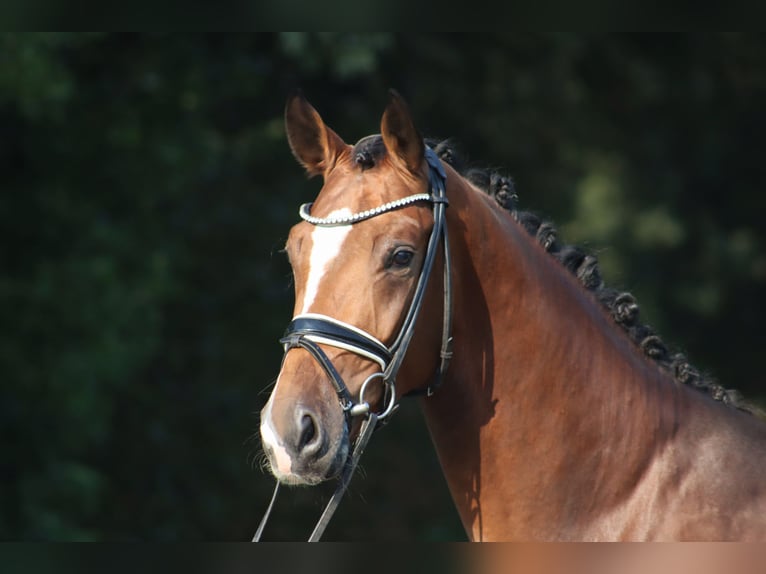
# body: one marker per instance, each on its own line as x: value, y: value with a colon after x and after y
x: 308, y: 431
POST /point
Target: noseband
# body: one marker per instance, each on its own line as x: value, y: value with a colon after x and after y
x: 309, y: 331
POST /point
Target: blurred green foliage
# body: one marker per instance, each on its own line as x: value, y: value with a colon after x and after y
x: 147, y: 189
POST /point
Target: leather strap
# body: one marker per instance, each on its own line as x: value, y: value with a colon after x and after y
x: 320, y: 328
x: 293, y: 341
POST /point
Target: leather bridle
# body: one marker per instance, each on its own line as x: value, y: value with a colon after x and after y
x: 309, y: 331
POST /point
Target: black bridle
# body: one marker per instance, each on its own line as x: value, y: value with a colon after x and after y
x: 309, y: 331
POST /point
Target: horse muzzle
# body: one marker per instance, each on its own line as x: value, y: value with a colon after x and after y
x: 303, y: 447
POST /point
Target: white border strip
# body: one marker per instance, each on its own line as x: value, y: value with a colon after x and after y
x: 340, y: 345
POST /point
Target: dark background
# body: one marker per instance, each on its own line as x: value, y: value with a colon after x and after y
x: 146, y: 189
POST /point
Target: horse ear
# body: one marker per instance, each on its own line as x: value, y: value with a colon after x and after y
x: 313, y: 144
x: 402, y: 140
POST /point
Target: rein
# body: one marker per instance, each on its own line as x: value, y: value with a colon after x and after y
x: 308, y: 331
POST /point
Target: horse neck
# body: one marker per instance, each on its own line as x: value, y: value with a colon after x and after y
x: 544, y: 394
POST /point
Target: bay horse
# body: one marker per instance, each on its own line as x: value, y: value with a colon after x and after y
x: 555, y: 414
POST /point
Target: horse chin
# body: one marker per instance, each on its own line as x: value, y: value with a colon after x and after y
x: 296, y: 480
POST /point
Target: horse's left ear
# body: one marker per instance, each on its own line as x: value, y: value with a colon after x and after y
x: 402, y: 140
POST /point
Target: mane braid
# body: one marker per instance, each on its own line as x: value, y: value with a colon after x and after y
x: 620, y: 305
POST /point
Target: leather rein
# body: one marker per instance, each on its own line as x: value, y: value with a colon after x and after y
x: 308, y: 331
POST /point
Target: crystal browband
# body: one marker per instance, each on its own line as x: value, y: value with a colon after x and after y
x: 305, y: 210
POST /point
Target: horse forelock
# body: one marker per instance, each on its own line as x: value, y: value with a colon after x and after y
x: 368, y: 151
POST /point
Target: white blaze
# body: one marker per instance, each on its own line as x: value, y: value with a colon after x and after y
x: 325, y: 246
x: 326, y: 243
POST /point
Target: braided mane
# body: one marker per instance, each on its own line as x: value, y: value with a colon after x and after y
x: 621, y: 305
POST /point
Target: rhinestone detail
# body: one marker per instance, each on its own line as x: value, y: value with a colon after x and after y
x: 305, y: 211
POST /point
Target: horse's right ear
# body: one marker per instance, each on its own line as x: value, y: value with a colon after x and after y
x: 313, y: 144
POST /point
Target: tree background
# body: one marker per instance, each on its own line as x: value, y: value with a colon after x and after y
x: 146, y: 189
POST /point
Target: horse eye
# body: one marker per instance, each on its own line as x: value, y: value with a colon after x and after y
x: 402, y: 258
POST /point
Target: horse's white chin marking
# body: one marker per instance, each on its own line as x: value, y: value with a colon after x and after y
x: 282, y: 463
x: 326, y: 243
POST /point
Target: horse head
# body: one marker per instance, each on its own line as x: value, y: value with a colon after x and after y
x: 361, y: 257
